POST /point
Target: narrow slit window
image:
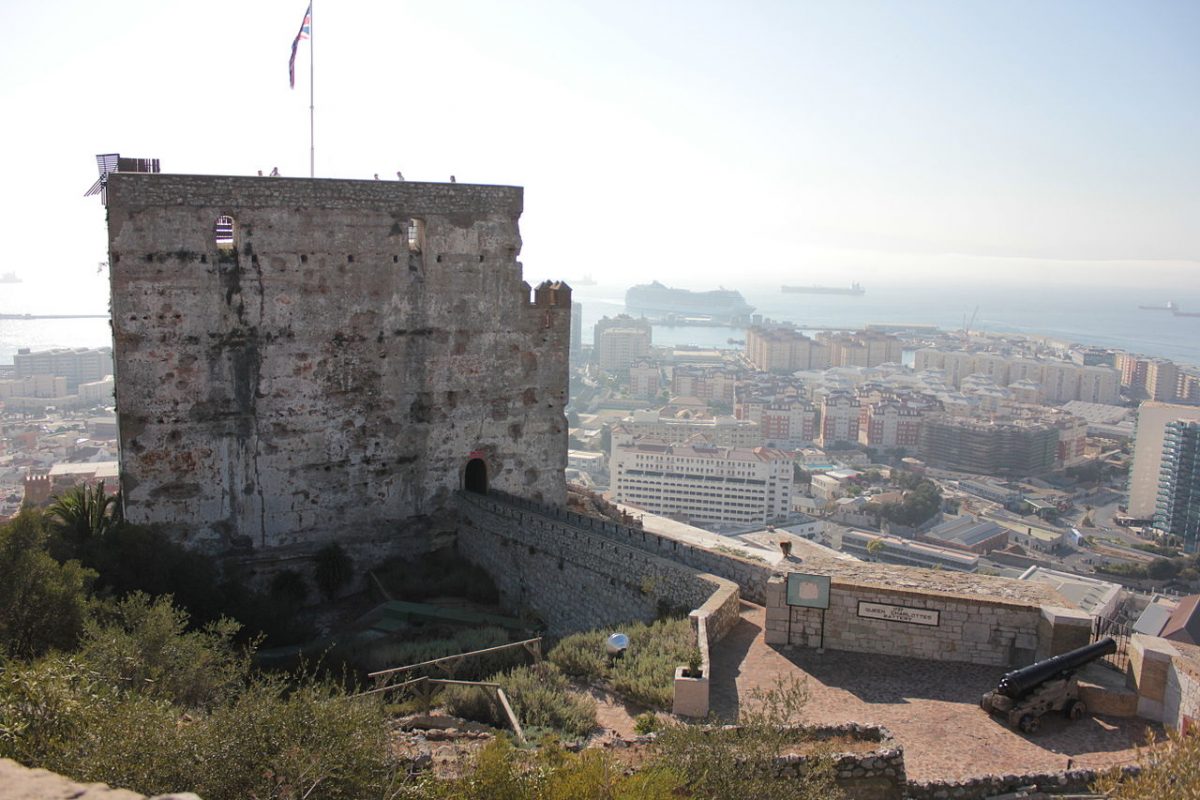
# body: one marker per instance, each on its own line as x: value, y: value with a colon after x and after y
x: 223, y: 232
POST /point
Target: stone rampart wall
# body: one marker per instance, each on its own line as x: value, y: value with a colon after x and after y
x: 574, y: 578
x: 967, y: 629
x: 751, y: 576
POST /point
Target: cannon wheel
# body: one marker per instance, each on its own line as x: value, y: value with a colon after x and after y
x: 1075, y: 709
x: 1029, y: 723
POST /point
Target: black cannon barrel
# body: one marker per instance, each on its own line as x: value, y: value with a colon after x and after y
x: 1019, y: 682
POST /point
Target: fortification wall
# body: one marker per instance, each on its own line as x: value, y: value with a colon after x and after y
x: 328, y: 370
x: 919, y: 624
x: 574, y: 579
x: 751, y: 576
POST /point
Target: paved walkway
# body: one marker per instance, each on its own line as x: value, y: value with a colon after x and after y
x: 932, y: 708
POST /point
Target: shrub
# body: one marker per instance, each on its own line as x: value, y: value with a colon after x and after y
x: 43, y: 604
x: 540, y: 696
x: 646, y: 723
x: 443, y: 573
x: 403, y: 653
x: 645, y: 674
x: 145, y: 647
x: 1170, y: 771
x: 739, y: 763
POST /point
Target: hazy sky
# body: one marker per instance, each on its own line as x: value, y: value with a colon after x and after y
x: 817, y: 142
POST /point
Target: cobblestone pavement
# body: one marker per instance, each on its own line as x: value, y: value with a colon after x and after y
x: 932, y: 708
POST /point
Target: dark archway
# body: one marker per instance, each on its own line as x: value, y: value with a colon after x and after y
x: 475, y: 478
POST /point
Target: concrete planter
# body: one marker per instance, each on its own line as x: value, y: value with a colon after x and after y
x: 691, y: 695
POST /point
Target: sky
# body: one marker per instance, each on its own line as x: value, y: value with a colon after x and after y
x: 698, y: 143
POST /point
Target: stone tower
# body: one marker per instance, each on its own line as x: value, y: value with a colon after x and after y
x: 299, y: 360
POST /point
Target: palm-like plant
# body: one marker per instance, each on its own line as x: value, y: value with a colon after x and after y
x: 84, y: 512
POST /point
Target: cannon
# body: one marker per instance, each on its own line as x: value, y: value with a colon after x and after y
x: 1025, y: 694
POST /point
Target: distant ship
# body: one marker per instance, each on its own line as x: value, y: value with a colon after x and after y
x: 9, y: 277
x: 855, y: 289
x: 586, y: 280
x: 1170, y: 306
x: 658, y: 302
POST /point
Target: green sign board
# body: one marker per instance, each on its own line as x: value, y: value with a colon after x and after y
x: 807, y: 591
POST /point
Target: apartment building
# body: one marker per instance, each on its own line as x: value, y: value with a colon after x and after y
x: 784, y: 350
x: 989, y: 447
x: 699, y: 483
x: 1149, y: 440
x: 1177, y: 506
x: 840, y: 412
x: 673, y: 424
x: 711, y: 384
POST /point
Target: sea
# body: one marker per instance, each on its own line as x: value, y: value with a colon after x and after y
x: 1105, y: 317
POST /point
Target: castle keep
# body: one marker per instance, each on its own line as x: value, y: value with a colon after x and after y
x: 305, y: 360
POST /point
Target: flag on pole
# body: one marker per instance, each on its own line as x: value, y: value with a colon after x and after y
x: 305, y: 32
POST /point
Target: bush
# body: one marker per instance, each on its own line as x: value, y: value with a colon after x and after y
x: 540, y: 696
x: 1170, y: 771
x: 500, y: 772
x: 94, y: 717
x: 43, y: 604
x: 145, y: 647
x: 646, y: 723
x: 440, y: 574
x: 740, y: 763
x: 646, y: 673
x: 402, y: 653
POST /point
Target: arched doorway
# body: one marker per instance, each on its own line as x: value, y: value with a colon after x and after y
x: 475, y: 477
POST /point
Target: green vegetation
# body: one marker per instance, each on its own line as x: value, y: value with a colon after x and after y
x: 540, y: 696
x: 143, y: 703
x: 43, y: 604
x: 645, y: 674
x: 501, y: 772
x: 740, y: 763
x: 922, y: 499
x: 440, y: 574
x: 1170, y: 771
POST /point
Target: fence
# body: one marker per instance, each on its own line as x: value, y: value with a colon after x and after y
x: 1103, y: 627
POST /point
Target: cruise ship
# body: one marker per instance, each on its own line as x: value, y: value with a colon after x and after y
x: 683, y: 306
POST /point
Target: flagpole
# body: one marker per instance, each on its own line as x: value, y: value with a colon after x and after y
x: 312, y: 127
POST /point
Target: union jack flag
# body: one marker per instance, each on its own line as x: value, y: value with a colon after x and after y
x: 305, y: 32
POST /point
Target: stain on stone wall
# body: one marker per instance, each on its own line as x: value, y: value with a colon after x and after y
x: 330, y: 372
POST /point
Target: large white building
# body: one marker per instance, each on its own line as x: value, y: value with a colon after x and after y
x: 700, y: 483
x: 674, y: 424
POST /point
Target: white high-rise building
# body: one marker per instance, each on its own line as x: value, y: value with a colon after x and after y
x: 1152, y: 419
x: 700, y: 483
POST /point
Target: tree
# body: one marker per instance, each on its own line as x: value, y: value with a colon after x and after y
x: 43, y: 604
x: 873, y: 547
x: 84, y: 513
x: 334, y: 570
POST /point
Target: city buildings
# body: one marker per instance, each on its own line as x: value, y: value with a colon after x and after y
x: 989, y: 447
x: 774, y: 349
x: 1177, y: 510
x: 674, y: 423
x: 1144, y: 475
x: 700, y: 483
x: 75, y: 365
x: 621, y: 341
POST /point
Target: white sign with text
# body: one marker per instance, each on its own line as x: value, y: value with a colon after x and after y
x: 914, y: 616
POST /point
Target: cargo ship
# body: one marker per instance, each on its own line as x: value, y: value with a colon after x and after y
x: 855, y: 289
x: 1170, y: 306
x: 683, y: 306
x: 9, y: 277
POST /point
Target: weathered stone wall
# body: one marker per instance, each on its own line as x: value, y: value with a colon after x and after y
x: 751, y: 576
x: 968, y: 629
x: 324, y: 378
x: 24, y: 783
x: 572, y: 578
